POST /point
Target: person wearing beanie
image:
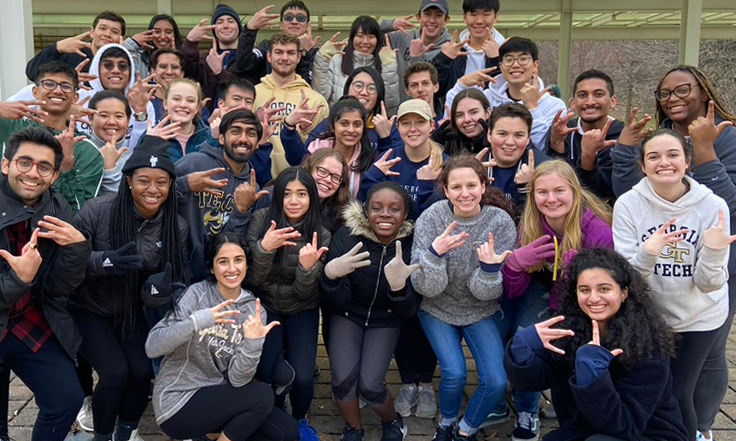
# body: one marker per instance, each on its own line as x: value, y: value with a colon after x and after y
x: 138, y: 242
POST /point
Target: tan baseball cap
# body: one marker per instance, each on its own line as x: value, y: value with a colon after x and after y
x: 420, y: 107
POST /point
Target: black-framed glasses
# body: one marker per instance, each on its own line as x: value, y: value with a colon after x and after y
x: 323, y: 173
x: 358, y: 86
x: 24, y: 165
x: 51, y: 85
x: 509, y: 60
x: 110, y: 65
x: 291, y: 17
x: 680, y: 91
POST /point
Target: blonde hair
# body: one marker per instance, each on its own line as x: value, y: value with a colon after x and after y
x: 200, y: 95
x: 531, y: 219
x: 436, y: 151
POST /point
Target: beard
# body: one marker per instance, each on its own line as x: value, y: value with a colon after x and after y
x: 239, y: 158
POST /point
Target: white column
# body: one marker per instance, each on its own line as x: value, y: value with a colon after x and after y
x: 16, y: 44
x: 690, y: 31
x: 565, y: 44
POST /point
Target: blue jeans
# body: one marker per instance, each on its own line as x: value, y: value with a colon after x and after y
x: 516, y: 314
x: 487, y: 348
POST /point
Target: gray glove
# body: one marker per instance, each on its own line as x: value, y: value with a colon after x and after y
x: 397, y: 271
x: 347, y: 263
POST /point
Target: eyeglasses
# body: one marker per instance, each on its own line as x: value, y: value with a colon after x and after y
x: 509, y: 60
x: 110, y: 65
x: 24, y: 165
x: 323, y: 173
x: 681, y: 91
x: 292, y: 17
x: 358, y: 86
x: 51, y: 85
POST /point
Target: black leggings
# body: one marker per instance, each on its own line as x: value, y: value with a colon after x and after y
x: 241, y: 413
x: 414, y: 355
x: 124, y: 369
x: 296, y: 340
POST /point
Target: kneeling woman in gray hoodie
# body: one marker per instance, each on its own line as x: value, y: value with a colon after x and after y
x: 211, y: 343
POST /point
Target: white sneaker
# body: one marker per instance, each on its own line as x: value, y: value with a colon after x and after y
x: 406, y: 399
x: 702, y: 437
x: 133, y: 436
x: 426, y: 403
x: 84, y: 417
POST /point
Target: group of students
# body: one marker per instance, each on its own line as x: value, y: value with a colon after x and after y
x: 165, y: 218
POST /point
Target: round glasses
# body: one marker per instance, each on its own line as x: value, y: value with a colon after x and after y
x: 681, y: 91
x: 323, y: 173
x: 43, y: 169
x: 358, y: 86
x: 51, y: 85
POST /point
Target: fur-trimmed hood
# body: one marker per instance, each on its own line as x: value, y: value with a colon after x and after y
x: 357, y: 222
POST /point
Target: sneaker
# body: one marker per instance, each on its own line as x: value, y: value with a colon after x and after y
x: 426, y: 403
x: 497, y: 417
x: 307, y: 432
x: 395, y: 430
x: 406, y: 399
x: 133, y: 436
x: 701, y: 437
x: 84, y: 417
x: 456, y: 436
x: 527, y: 427
x: 283, y: 377
x: 444, y: 433
x: 350, y: 433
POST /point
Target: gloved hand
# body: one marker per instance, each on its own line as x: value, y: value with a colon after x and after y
x: 397, y: 271
x: 347, y: 263
x: 158, y: 289
x: 532, y: 254
x: 121, y: 261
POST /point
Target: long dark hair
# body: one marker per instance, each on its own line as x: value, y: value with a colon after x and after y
x: 123, y: 231
x: 215, y: 243
x: 332, y: 206
x: 368, y: 25
x: 177, y: 35
x: 380, y: 86
x: 455, y: 144
x: 350, y: 104
x: 638, y: 328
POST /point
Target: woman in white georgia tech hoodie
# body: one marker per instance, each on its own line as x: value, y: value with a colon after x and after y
x: 675, y: 232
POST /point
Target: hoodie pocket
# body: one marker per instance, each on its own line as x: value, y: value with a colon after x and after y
x: 682, y: 306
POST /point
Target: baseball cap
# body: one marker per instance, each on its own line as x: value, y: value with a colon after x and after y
x: 440, y: 4
x: 420, y: 107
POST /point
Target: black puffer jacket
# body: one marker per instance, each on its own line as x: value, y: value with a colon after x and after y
x: 282, y: 284
x: 95, y: 295
x: 365, y: 296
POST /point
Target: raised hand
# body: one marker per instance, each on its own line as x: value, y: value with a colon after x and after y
x: 446, y: 242
x: 141, y: 93
x: 203, y: 182
x: 594, y: 141
x: 27, y: 264
x: 74, y: 45
x: 306, y: 42
x: 121, y: 261
x: 402, y: 24
x: 159, y: 288
x: 478, y: 78
x: 382, y: 123
x: 387, y: 52
x: 548, y: 334
x: 453, y: 49
x: 111, y: 154
x: 489, y: 164
x: 302, y: 115
x: 703, y: 134
x: 657, y: 241
x: 524, y: 174
x: 145, y: 38
x: 216, y: 60
x: 560, y: 131
x: 253, y: 327
x: 262, y: 18
x: 68, y: 140
x: 634, y: 132
x: 275, y: 239
x: 221, y: 313
x: 418, y: 47
x: 384, y: 164
x: 84, y: 77
x: 23, y: 109
x: 246, y: 195
x: 490, y: 45
x: 80, y: 112
x: 396, y: 271
x: 63, y: 233
x: 530, y: 93
x: 532, y: 254
x: 199, y: 32
x: 347, y: 263
x: 716, y: 236
x: 597, y: 340
x: 487, y: 252
x: 310, y: 253
x: 338, y: 45
x: 163, y: 129
x: 429, y: 171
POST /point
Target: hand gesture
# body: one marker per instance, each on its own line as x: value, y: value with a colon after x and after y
x: 144, y: 38
x: 159, y: 288
x: 703, y: 134
x: 302, y: 115
x: 418, y: 47
x: 275, y: 239
x: 384, y: 164
x: 402, y: 24
x: 84, y: 77
x: 387, y: 52
x: 27, y: 264
x: 216, y: 60
x: 80, y: 112
x: 662, y: 237
x: 382, y: 123
x: 429, y: 171
x: 121, y: 261
x: 269, y: 120
x: 253, y: 327
x: 262, y: 18
x: 490, y: 45
x: 68, y: 140
x: 548, y: 334
x: 306, y: 42
x: 22, y: 109
x: 74, y: 45
x: 594, y: 141
x: 478, y: 78
x: 716, y: 236
x: 530, y: 93
x: 203, y: 182
x: 560, y: 131
x: 634, y: 132
x: 532, y: 254
x: 63, y: 233
x: 246, y: 195
x: 163, y: 129
x: 446, y: 242
x: 199, y: 32
x: 597, y: 340
x: 310, y: 253
x: 453, y: 49
x: 221, y: 313
x: 140, y: 94
x: 489, y: 164
x: 524, y: 174
x: 111, y: 154
x: 396, y: 271
x: 487, y: 252
x: 347, y: 263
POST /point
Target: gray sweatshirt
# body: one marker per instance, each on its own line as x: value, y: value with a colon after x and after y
x: 456, y: 289
x: 199, y: 353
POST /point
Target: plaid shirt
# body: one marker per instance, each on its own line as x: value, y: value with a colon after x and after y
x: 26, y: 321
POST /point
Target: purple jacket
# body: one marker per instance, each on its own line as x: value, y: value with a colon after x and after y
x: 597, y: 233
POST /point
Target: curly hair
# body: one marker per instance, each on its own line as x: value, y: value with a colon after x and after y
x: 638, y: 327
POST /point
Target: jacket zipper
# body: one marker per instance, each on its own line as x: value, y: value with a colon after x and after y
x: 378, y: 282
x: 143, y: 225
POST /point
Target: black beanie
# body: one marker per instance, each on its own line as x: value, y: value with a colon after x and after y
x: 151, y: 153
x: 227, y: 10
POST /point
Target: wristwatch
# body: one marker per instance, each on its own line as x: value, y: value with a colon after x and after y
x: 141, y: 117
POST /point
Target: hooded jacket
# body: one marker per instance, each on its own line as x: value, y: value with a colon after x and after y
x: 289, y: 96
x: 364, y: 296
x: 688, y: 279
x: 282, y: 284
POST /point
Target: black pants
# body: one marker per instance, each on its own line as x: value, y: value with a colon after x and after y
x: 124, y: 369
x: 296, y: 340
x: 49, y: 374
x: 414, y: 355
x: 240, y: 413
